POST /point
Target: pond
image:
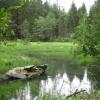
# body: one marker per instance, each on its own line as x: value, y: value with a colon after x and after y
x: 62, y: 78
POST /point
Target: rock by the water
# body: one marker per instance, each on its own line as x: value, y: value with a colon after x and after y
x: 26, y: 72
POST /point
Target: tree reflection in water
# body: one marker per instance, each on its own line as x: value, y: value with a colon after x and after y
x: 60, y: 85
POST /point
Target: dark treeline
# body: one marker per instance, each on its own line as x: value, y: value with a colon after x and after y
x: 34, y: 20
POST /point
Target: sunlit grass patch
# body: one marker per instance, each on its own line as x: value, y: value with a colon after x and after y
x: 22, y: 53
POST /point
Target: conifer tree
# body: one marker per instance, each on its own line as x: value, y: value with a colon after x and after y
x: 72, y: 19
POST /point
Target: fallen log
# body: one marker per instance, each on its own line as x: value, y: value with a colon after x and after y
x: 25, y: 72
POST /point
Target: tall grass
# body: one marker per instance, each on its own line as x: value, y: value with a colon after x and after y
x: 20, y: 54
x: 26, y: 53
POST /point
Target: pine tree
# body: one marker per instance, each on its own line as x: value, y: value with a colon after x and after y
x: 94, y: 21
x: 72, y: 19
x: 88, y: 31
x: 82, y: 12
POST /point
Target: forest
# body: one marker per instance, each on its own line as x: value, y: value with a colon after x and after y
x: 34, y: 20
x: 36, y: 32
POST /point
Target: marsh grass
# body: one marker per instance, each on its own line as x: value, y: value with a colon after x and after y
x: 7, y: 89
x: 22, y: 53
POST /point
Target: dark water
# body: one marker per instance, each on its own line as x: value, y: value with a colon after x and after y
x: 63, y: 77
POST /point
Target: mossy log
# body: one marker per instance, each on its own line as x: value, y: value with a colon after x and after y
x: 25, y: 72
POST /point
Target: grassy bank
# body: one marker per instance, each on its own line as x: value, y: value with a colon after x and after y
x: 26, y: 53
x: 21, y: 53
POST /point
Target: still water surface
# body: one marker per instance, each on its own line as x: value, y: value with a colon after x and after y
x: 60, y: 85
x: 63, y: 79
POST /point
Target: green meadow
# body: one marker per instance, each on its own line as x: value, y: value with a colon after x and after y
x: 26, y: 53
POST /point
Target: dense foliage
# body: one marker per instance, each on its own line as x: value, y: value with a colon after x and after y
x: 34, y: 20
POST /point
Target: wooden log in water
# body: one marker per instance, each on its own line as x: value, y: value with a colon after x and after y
x: 25, y: 72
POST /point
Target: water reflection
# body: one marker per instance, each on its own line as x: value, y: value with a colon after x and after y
x: 23, y: 94
x: 58, y: 86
